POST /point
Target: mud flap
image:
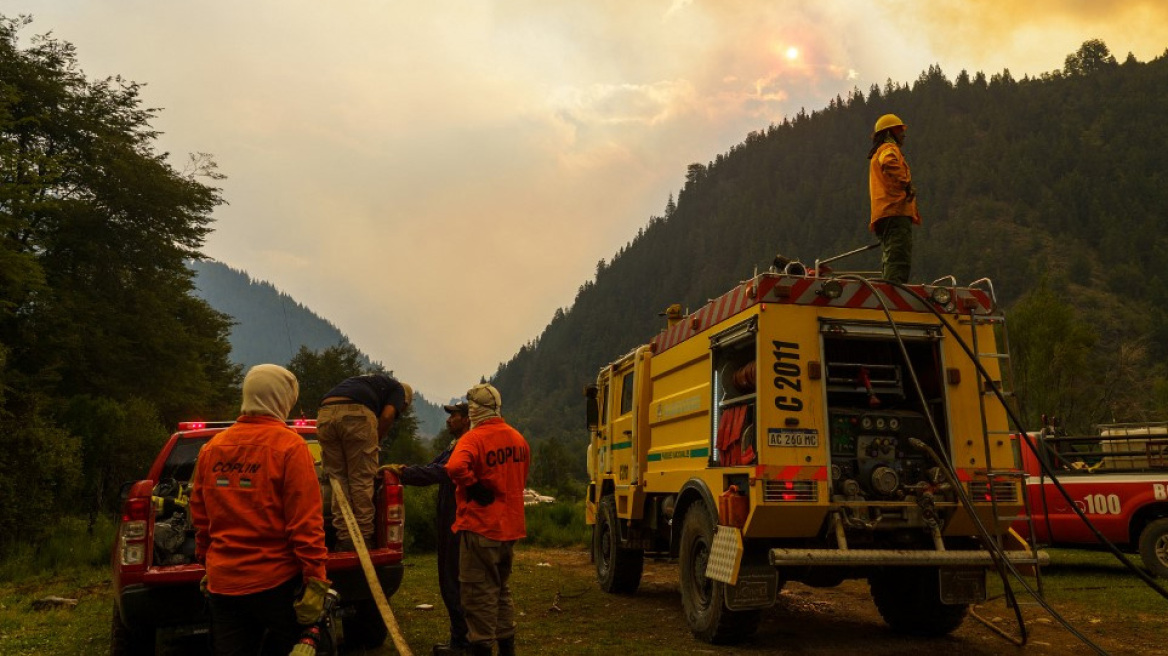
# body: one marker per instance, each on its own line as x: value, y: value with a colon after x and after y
x: 963, y: 585
x: 758, y: 587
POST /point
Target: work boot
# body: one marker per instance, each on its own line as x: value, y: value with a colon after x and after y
x: 450, y: 650
x: 507, y: 646
x: 481, y: 648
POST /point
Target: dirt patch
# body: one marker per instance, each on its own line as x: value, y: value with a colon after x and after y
x: 836, y: 621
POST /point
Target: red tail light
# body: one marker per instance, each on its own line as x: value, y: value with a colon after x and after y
x: 136, y: 509
x: 395, y: 513
x: 133, y: 549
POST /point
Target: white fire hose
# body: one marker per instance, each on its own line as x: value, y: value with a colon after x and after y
x: 399, y: 641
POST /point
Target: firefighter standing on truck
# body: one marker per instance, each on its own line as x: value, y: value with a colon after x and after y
x: 256, y: 507
x: 457, y: 423
x: 354, y: 417
x: 894, y: 199
x: 489, y: 465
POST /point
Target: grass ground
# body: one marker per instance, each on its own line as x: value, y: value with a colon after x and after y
x: 561, y: 611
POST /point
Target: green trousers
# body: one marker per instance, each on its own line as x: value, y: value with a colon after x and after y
x: 484, y: 570
x: 895, y: 233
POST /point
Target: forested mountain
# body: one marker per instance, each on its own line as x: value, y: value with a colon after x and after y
x: 1056, y: 188
x: 270, y: 326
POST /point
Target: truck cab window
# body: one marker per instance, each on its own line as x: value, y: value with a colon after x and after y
x: 626, y: 402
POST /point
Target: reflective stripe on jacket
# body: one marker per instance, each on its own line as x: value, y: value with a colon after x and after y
x: 888, y: 180
x: 496, y: 455
x: 256, y: 507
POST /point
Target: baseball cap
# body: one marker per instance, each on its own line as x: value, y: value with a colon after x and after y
x: 460, y: 408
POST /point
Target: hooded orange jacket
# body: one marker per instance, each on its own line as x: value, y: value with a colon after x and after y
x: 256, y: 507
x: 496, y: 455
x: 888, y: 181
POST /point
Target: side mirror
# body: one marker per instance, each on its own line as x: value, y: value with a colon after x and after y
x: 591, y: 408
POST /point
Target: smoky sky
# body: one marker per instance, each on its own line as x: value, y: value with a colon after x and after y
x: 437, y: 178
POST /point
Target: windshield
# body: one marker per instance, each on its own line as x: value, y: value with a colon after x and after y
x: 180, y: 464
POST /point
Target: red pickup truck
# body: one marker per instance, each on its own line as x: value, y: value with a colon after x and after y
x: 1118, y: 478
x: 155, y: 575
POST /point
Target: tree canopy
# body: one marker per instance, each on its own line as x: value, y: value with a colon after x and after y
x: 101, y: 343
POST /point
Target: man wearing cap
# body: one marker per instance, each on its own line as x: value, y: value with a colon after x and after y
x: 255, y: 505
x: 434, y: 473
x: 489, y: 466
x: 354, y: 417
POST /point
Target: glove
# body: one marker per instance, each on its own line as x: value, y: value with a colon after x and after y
x: 396, y: 470
x: 310, y: 604
x: 480, y: 494
x: 203, y: 586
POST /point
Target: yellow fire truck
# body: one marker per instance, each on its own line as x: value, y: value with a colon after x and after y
x: 815, y: 429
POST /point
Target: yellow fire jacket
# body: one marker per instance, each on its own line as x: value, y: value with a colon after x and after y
x: 888, y: 182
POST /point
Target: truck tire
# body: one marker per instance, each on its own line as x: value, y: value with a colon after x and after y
x: 909, y: 600
x: 125, y: 641
x: 618, y: 570
x: 703, y: 599
x: 1154, y: 548
x: 364, y: 628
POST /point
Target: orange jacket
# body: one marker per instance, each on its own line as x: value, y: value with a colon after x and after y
x: 256, y: 507
x: 496, y: 455
x: 888, y: 181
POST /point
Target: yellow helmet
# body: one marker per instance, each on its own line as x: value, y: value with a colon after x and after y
x: 885, y: 122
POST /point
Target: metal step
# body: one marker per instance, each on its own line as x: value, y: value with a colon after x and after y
x: 1005, y: 473
x: 897, y: 557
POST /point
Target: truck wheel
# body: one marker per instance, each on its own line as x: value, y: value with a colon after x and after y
x: 618, y: 570
x: 703, y: 599
x: 1154, y: 547
x: 126, y: 642
x: 364, y: 627
x: 909, y: 600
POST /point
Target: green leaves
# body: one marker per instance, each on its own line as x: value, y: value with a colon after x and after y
x: 98, y: 329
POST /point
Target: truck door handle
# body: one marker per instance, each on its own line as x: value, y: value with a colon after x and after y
x: 628, y: 432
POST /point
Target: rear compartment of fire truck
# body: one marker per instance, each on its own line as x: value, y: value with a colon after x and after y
x: 883, y: 484
x: 878, y: 478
